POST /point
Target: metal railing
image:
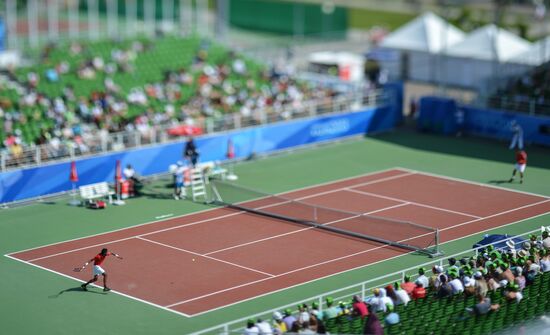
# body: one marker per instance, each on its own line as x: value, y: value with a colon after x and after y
x: 529, y: 106
x: 363, y: 289
x: 98, y: 142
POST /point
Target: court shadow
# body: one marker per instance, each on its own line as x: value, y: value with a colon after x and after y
x: 77, y: 289
x: 498, y: 182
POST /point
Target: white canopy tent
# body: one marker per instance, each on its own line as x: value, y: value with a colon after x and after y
x: 490, y: 43
x: 537, y: 54
x: 426, y: 33
x: 483, y: 57
x: 420, y: 41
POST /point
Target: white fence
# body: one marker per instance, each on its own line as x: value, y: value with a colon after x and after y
x: 363, y: 289
x: 99, y: 143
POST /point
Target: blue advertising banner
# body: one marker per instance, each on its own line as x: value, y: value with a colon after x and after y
x: 33, y: 182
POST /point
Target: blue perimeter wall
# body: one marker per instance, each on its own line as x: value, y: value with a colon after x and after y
x: 33, y: 182
x: 496, y: 124
x: 445, y: 116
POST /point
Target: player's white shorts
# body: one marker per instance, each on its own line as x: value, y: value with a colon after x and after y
x: 98, y: 270
x: 521, y: 167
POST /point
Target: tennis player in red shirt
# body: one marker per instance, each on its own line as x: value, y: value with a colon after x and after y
x: 521, y: 163
x: 98, y: 270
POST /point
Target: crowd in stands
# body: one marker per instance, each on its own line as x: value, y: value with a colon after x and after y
x: 528, y: 93
x: 79, y: 95
x: 509, y: 271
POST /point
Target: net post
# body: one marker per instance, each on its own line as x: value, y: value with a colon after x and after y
x: 436, y: 252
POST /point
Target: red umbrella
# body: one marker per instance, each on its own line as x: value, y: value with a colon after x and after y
x: 118, y: 176
x: 73, y: 177
x: 230, y: 149
x: 118, y: 171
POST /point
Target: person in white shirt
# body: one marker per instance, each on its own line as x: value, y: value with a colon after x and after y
x: 379, y: 301
x: 401, y: 295
x: 251, y: 328
x: 456, y: 284
x: 264, y: 327
x: 422, y: 278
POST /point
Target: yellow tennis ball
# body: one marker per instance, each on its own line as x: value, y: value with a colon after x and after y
x: 193, y: 259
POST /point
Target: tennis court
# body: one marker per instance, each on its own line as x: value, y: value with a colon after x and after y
x: 196, y: 263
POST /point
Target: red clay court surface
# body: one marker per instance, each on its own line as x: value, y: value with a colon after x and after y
x: 203, y: 261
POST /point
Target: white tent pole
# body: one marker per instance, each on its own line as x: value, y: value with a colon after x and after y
x: 11, y: 17
x: 32, y: 18
x: 150, y: 19
x: 112, y: 13
x: 73, y: 9
x: 53, y: 22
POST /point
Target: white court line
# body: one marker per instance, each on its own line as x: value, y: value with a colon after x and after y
x: 355, y: 268
x: 303, y: 283
x: 114, y: 291
x: 435, y: 175
x: 201, y: 255
x: 494, y: 215
x: 297, y: 231
x: 412, y: 203
x: 207, y: 220
x: 210, y: 209
x: 351, y: 255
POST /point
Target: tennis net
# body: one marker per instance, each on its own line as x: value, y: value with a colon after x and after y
x: 402, y: 234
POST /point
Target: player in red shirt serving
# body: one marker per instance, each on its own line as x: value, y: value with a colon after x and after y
x: 521, y: 163
x: 98, y: 270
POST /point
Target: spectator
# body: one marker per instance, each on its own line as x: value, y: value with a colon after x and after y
x: 455, y: 283
x: 251, y: 328
x: 520, y: 278
x: 392, y: 318
x: 130, y: 174
x: 480, y: 284
x: 373, y: 326
x: 321, y: 327
x: 544, y: 260
x: 506, y: 273
x: 379, y: 301
x: 279, y: 326
x: 343, y: 309
x: 295, y: 328
x: 469, y: 286
x: 423, y: 278
x: 305, y: 329
x: 407, y: 285
x: 264, y: 327
x: 435, y: 281
x: 452, y: 265
x: 315, y: 310
x: 546, y: 238
x: 445, y: 289
x: 289, y: 319
x: 303, y: 314
x: 512, y: 293
x: 331, y: 311
x: 484, y: 306
x: 359, y: 307
x: 401, y: 296
x: 419, y: 291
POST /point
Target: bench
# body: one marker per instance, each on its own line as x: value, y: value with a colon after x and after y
x: 95, y: 191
